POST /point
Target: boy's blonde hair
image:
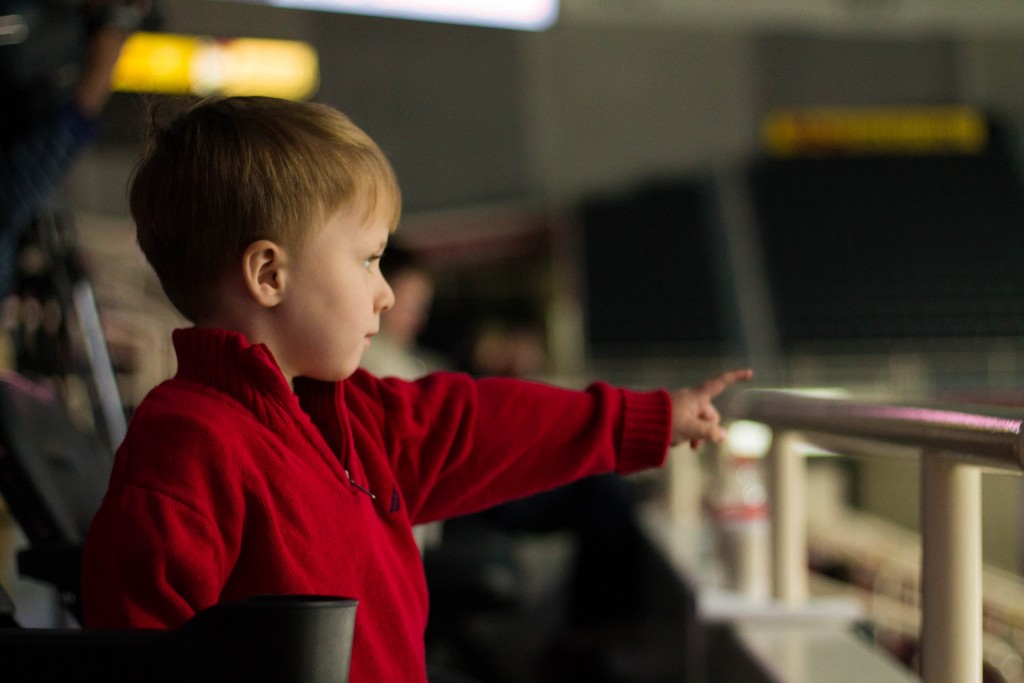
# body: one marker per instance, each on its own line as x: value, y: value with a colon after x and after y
x: 229, y: 171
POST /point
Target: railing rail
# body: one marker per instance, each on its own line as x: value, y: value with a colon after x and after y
x: 954, y: 444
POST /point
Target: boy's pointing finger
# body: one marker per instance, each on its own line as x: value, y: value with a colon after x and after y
x: 720, y: 383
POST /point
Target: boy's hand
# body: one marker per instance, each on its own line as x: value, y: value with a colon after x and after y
x: 694, y: 418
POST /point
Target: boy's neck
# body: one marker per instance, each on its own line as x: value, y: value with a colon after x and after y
x: 253, y: 325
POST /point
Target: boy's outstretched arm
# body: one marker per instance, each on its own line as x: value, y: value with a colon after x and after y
x: 694, y: 417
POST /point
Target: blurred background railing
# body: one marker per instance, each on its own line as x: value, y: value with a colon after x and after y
x: 952, y: 447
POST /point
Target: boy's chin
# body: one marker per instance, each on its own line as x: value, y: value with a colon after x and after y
x: 346, y: 372
x: 340, y: 376
x: 336, y: 375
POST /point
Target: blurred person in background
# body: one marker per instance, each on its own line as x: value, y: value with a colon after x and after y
x: 57, y: 63
x: 45, y: 123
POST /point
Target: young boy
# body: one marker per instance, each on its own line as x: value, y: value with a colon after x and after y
x: 270, y: 463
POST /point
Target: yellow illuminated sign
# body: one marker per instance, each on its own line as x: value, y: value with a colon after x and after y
x: 882, y: 130
x: 178, y: 65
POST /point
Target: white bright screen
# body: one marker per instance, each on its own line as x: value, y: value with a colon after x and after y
x: 528, y: 15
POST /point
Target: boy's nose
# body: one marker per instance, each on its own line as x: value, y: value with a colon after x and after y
x: 386, y: 299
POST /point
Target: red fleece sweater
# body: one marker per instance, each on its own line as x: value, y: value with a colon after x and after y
x: 229, y: 484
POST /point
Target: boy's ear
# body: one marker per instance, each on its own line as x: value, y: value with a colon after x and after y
x: 264, y: 268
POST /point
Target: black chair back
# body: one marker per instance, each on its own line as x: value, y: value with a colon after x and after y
x: 272, y: 638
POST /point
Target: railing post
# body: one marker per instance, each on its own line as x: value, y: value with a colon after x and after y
x: 951, y: 626
x: 684, y: 498
x: 788, y: 481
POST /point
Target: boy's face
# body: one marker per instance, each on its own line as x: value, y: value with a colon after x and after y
x: 336, y: 294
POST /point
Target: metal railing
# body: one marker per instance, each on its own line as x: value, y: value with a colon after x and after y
x: 954, y: 446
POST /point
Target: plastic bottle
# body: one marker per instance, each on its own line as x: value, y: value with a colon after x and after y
x: 738, y: 502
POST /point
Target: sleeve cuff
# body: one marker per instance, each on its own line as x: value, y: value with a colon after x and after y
x: 646, y: 426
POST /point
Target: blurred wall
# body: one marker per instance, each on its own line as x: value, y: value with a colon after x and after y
x: 472, y: 115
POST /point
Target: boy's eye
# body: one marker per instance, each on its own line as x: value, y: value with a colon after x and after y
x: 368, y: 263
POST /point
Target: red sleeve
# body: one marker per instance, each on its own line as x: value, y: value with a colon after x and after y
x: 167, y: 533
x: 150, y: 562
x: 458, y: 445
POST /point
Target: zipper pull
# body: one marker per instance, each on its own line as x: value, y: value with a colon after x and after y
x: 353, y: 482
